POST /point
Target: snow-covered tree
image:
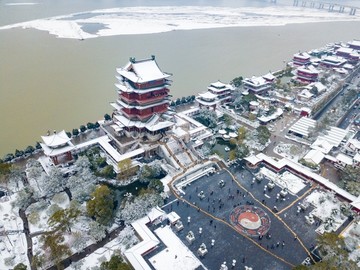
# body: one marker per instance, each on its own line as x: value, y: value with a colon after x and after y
x: 79, y: 240
x: 207, y: 118
x: 137, y: 207
x: 81, y: 186
x: 24, y: 198
x: 53, y: 183
x: 96, y: 231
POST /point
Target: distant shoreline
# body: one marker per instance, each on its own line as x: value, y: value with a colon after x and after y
x: 152, y: 20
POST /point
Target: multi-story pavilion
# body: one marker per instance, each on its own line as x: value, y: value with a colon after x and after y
x: 222, y: 91
x: 307, y: 74
x: 143, y: 96
x: 256, y: 85
x: 58, y: 147
x: 301, y: 59
x: 333, y: 61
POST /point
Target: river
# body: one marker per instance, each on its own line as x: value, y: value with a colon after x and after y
x: 49, y: 83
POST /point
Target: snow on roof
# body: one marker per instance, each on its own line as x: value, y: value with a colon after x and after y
x: 341, y: 70
x: 306, y: 172
x: 319, y: 86
x: 308, y: 69
x: 269, y: 76
x: 155, y: 213
x: 233, y: 135
x: 334, y: 59
x: 252, y: 159
x: 51, y: 152
x: 334, y: 136
x: 255, y: 81
x: 356, y: 203
x: 149, y: 241
x: 254, y: 103
x: 305, y: 93
x: 355, y: 143
x: 322, y: 145
x: 273, y: 116
x: 354, y: 42
x: 222, y: 131
x: 176, y: 255
x: 218, y: 84
x: 345, y: 50
x: 302, y: 55
x: 357, y: 157
x: 56, y: 139
x: 152, y: 124
x: 142, y: 71
x: 344, y: 159
x: 173, y: 217
x: 314, y: 156
x: 208, y: 95
x: 302, y: 126
x: 348, y: 66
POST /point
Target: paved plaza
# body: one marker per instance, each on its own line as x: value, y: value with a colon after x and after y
x: 238, y: 221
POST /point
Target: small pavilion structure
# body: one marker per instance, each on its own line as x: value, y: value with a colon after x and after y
x: 57, y: 147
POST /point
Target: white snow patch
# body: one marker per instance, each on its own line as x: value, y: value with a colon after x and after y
x: 176, y: 255
x: 149, y: 20
x: 285, y: 180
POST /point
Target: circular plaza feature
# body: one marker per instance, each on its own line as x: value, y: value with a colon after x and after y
x: 250, y: 220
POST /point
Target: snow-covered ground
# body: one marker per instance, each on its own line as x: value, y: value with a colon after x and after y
x: 290, y: 151
x: 123, y: 241
x: 148, y: 20
x: 13, y: 246
x: 285, y: 180
x: 327, y: 209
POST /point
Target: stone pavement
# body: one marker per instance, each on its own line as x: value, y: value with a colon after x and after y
x: 278, y: 249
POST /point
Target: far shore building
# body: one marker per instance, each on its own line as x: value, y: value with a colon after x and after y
x: 348, y: 53
x: 143, y: 98
x: 218, y: 93
x: 333, y: 62
x: 256, y: 85
x: 307, y: 74
x: 57, y: 147
x: 301, y: 59
x: 354, y: 44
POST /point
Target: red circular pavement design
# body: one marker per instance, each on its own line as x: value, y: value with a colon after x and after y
x: 250, y: 220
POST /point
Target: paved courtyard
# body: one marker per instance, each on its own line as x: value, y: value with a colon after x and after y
x: 241, y: 219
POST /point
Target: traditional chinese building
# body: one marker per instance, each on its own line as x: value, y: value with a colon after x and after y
x: 143, y: 98
x: 355, y: 44
x: 207, y: 100
x: 301, y: 59
x: 256, y: 85
x: 57, y: 147
x: 333, y: 61
x: 222, y: 91
x: 307, y: 74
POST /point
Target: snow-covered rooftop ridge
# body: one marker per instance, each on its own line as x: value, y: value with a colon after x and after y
x: 149, y: 241
x: 302, y: 55
x: 302, y: 126
x: 142, y: 71
x: 344, y: 159
x: 314, y: 156
x: 255, y: 81
x: 309, y: 69
x: 208, y: 95
x: 56, y: 139
x: 322, y: 145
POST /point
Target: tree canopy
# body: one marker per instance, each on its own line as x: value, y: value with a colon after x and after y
x: 101, y: 205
